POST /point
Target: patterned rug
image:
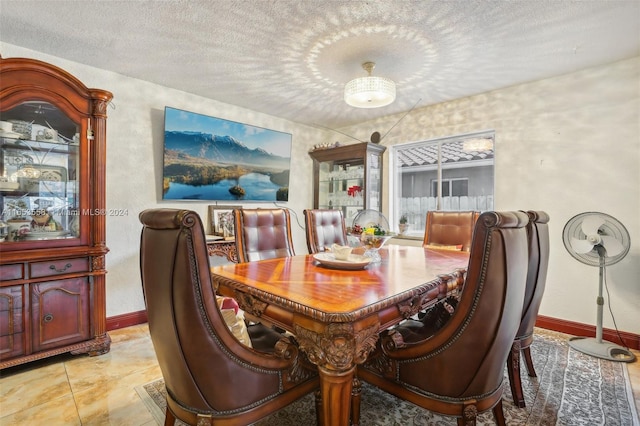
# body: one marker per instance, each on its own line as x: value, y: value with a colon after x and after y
x: 571, y: 389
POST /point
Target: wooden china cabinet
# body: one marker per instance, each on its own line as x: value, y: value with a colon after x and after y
x: 52, y: 198
x: 348, y: 178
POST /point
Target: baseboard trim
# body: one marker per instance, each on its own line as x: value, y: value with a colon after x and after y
x: 126, y: 320
x: 630, y: 340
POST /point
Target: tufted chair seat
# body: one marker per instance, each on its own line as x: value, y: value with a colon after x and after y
x: 210, y: 377
x: 450, y: 229
x: 457, y: 369
x: 262, y: 234
x: 324, y: 228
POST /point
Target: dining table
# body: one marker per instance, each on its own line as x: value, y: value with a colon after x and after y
x: 337, y: 310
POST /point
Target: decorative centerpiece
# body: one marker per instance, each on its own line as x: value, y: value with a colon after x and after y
x: 372, y: 230
x: 372, y: 242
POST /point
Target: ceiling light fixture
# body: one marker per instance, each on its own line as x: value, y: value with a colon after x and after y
x: 370, y: 91
x: 477, y: 144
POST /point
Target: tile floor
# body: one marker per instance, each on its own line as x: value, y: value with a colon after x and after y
x: 82, y: 390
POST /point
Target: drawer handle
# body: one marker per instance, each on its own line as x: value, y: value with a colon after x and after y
x: 47, y: 318
x: 53, y: 268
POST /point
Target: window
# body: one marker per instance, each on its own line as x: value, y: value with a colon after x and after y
x: 452, y: 173
x: 456, y: 187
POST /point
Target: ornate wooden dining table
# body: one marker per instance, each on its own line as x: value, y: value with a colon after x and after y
x: 336, y: 315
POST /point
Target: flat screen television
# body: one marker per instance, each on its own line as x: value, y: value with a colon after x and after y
x: 208, y: 158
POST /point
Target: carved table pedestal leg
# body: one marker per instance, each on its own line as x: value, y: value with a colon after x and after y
x: 336, y: 349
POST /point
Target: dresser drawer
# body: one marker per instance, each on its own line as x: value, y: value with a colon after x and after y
x: 58, y: 267
x: 11, y: 272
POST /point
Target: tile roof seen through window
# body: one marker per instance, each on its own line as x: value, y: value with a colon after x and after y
x: 452, y: 152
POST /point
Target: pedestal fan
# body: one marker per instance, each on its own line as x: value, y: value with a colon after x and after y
x: 597, y: 239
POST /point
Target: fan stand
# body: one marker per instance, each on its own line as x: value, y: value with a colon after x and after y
x: 596, y: 346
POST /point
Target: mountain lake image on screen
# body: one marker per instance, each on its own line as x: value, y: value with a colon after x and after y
x: 209, y: 158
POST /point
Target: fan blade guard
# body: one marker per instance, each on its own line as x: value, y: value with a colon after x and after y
x: 589, y: 230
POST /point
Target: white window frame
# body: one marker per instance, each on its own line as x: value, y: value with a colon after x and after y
x: 395, y: 184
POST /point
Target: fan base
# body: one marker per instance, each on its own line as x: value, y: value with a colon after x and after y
x: 601, y: 349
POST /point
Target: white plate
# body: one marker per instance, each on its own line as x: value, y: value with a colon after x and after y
x: 355, y: 261
x: 43, y: 235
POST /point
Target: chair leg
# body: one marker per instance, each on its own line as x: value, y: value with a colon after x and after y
x: 529, y: 362
x: 498, y: 413
x: 169, y: 418
x: 356, y: 392
x: 513, y: 368
x: 319, y: 416
x: 469, y: 415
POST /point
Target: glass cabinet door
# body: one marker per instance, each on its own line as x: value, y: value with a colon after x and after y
x: 39, y: 173
x: 341, y: 184
x: 348, y: 178
x: 374, y: 187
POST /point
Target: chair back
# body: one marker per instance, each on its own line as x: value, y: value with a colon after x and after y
x: 464, y: 360
x: 450, y: 228
x: 324, y: 227
x: 205, y: 369
x: 262, y: 234
x: 538, y: 242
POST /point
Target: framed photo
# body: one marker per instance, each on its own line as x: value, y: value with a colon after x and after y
x: 221, y: 220
x: 209, y: 158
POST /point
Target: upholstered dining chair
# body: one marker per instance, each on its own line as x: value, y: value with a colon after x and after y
x: 262, y: 234
x: 538, y: 242
x: 324, y: 227
x: 457, y: 370
x: 210, y: 377
x: 450, y: 229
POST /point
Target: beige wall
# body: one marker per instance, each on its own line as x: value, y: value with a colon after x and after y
x: 565, y: 145
x: 135, y: 128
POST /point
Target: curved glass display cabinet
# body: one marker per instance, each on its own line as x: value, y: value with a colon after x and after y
x: 348, y: 178
x: 52, y: 199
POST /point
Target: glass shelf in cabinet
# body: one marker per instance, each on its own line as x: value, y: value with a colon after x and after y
x: 356, y: 179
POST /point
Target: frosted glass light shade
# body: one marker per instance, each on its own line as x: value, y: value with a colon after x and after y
x: 482, y: 144
x: 370, y: 91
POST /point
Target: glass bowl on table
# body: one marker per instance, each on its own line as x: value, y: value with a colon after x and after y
x: 372, y: 244
x: 371, y: 230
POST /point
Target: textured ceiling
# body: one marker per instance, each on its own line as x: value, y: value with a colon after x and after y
x: 292, y: 58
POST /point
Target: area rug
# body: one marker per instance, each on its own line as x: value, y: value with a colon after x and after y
x: 571, y: 389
